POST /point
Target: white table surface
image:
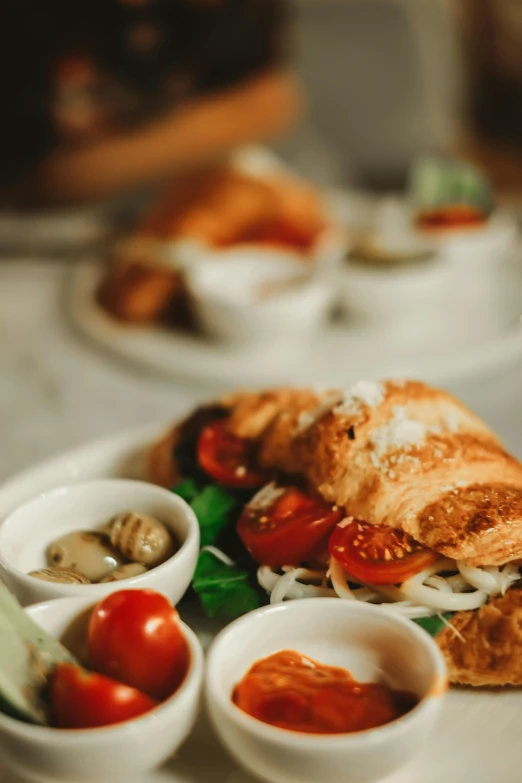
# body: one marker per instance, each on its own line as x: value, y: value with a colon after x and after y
x: 56, y: 391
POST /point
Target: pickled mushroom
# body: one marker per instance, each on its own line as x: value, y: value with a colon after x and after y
x: 63, y: 575
x: 86, y: 552
x: 142, y: 538
x: 126, y: 571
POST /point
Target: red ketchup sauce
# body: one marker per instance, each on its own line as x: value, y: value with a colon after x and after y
x: 291, y: 691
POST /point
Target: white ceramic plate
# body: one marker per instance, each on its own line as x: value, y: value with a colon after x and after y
x: 338, y: 355
x: 478, y: 737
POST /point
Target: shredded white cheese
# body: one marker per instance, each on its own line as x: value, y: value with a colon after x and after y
x: 219, y: 555
x: 375, y: 460
x: 266, y: 496
x: 491, y: 580
x: 399, y: 433
x: 428, y: 593
x: 452, y: 421
x: 362, y: 393
x: 451, y: 488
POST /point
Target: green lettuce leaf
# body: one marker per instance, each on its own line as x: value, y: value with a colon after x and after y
x: 437, y: 181
x: 224, y: 590
x: 213, y: 508
x: 434, y: 625
x: 188, y: 490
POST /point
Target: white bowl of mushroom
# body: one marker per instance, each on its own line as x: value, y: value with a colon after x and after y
x: 94, y: 537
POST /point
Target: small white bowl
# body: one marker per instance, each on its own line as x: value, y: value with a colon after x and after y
x: 483, y: 269
x: 330, y: 249
x: 224, y: 293
x: 105, y: 755
x: 480, y: 248
x: 325, y: 254
x: 396, y: 298
x: 368, y: 641
x: 27, y: 532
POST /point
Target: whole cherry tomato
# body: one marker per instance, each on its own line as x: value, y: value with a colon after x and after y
x: 135, y: 637
x: 82, y: 700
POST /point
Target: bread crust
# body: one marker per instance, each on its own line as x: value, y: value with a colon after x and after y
x: 414, y: 458
x: 482, y: 648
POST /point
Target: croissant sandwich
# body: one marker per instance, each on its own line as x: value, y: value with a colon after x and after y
x: 392, y: 493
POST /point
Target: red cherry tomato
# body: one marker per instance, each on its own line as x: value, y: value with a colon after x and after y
x: 378, y: 554
x: 228, y: 459
x: 82, y: 700
x: 288, y: 235
x: 452, y: 216
x: 291, y: 530
x: 135, y: 637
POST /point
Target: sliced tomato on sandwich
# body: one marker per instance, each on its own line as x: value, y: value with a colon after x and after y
x: 283, y: 526
x: 227, y: 458
x: 378, y: 554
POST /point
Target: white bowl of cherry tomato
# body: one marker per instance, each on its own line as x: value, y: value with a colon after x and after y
x: 122, y: 704
x: 323, y: 690
x: 94, y: 537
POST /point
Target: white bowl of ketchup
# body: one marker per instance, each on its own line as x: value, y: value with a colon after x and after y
x: 299, y: 738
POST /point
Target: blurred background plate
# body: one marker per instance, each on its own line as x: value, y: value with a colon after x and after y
x: 338, y: 355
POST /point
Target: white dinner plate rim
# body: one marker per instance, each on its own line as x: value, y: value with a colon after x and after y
x: 177, y: 356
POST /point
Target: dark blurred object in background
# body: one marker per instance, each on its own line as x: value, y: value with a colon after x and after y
x: 75, y: 70
x: 492, y: 36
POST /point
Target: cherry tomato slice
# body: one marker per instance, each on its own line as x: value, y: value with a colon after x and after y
x: 82, y: 700
x: 452, y: 216
x: 135, y: 637
x: 290, y: 530
x: 377, y: 554
x: 227, y: 458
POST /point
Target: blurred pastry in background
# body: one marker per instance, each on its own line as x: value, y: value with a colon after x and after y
x: 231, y: 208
x: 276, y: 221
x: 140, y: 291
